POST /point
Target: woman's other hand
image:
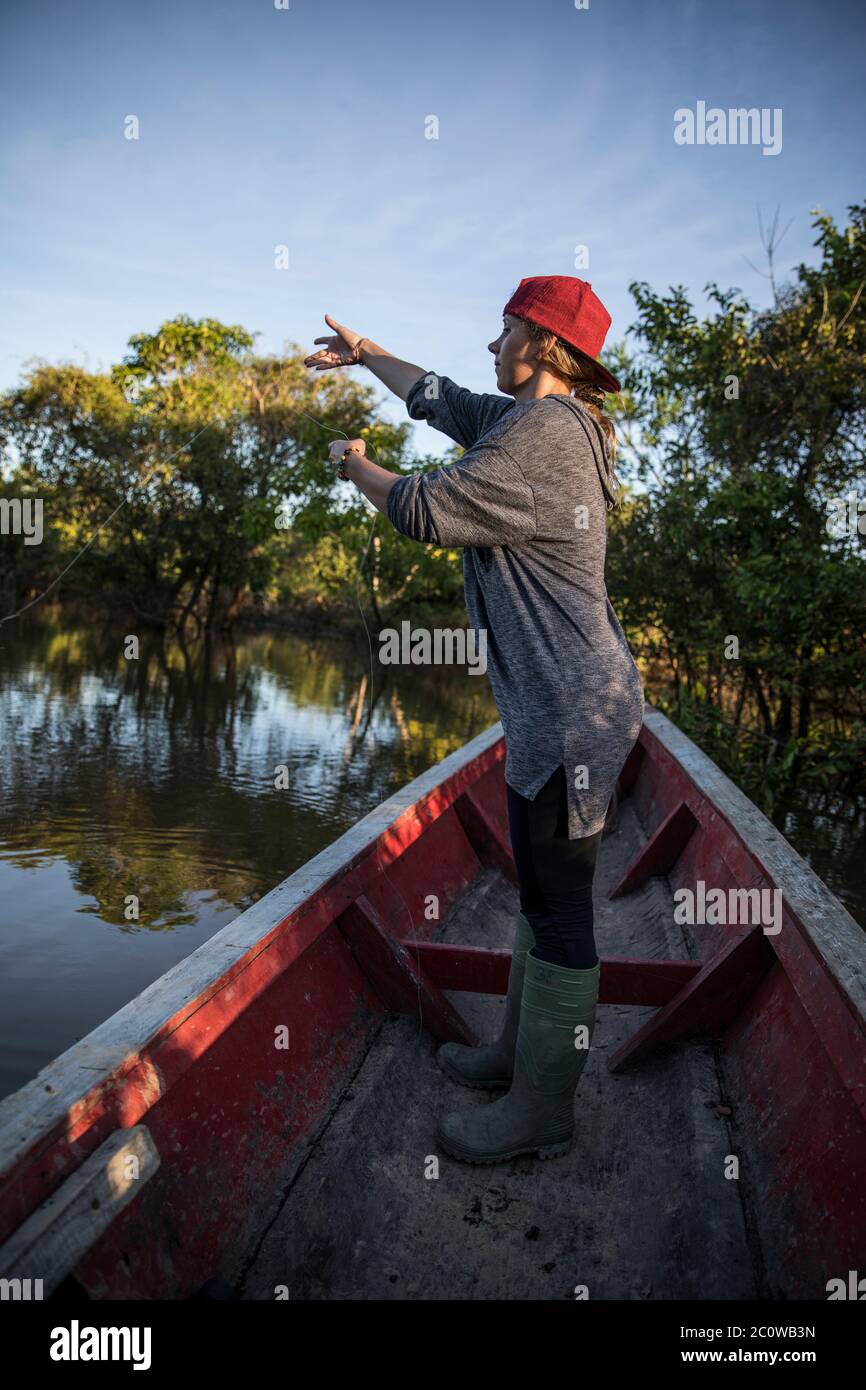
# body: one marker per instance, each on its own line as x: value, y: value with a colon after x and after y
x: 339, y: 447
x: 339, y: 350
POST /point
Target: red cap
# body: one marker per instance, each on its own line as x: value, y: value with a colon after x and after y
x: 569, y: 308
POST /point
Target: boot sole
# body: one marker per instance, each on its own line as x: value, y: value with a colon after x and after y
x: 493, y: 1085
x: 542, y: 1150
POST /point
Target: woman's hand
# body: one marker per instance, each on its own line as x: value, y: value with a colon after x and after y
x: 338, y: 448
x: 339, y: 350
x: 375, y: 482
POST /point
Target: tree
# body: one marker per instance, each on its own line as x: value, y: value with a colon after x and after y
x: 181, y: 461
x: 746, y: 429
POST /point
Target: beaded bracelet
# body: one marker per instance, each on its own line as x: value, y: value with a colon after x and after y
x: 341, y: 471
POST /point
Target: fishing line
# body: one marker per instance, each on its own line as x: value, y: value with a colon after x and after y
x: 143, y: 482
x: 363, y: 558
x: 379, y: 863
x: 361, y: 563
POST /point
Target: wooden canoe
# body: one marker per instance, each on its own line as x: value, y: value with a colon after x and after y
x: 266, y: 1111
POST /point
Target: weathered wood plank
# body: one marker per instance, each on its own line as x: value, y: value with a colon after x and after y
x: 56, y: 1237
x: 490, y: 845
x: 397, y: 976
x: 661, y: 850
x: 483, y: 970
x: 709, y: 1001
x: 832, y: 931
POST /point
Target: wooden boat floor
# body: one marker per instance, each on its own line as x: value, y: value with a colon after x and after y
x: 639, y: 1208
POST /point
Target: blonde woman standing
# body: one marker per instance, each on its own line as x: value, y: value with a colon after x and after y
x: 528, y: 502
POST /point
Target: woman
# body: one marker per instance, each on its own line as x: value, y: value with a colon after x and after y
x: 528, y: 502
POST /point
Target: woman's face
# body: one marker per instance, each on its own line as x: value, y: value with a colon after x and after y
x: 514, y: 354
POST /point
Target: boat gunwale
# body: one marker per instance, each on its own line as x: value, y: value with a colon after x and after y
x: 30, y: 1116
x: 33, y: 1117
x: 811, y: 903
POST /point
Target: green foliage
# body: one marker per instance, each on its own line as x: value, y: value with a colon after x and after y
x: 178, y: 464
x: 194, y: 476
x: 742, y: 428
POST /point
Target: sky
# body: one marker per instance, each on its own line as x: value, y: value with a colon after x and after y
x: 307, y: 127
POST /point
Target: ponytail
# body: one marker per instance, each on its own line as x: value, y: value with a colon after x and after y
x: 577, y: 371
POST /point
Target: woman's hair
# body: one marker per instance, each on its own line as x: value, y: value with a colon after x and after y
x: 576, y: 369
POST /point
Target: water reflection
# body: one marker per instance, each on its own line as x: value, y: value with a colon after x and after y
x: 155, y: 778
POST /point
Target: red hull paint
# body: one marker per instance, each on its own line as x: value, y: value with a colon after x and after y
x: 794, y: 1056
x: 233, y: 1117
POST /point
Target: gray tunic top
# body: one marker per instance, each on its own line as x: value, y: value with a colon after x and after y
x: 527, y: 501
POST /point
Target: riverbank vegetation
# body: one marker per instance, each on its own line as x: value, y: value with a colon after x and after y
x: 189, y: 485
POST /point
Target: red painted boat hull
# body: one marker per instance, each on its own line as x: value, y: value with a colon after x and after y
x: 235, y: 1059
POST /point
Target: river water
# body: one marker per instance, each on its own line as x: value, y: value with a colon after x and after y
x: 154, y: 779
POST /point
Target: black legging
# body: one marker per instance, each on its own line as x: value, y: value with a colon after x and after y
x: 555, y: 875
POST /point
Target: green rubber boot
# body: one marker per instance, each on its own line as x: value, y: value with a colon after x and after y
x: 537, y: 1115
x: 492, y: 1064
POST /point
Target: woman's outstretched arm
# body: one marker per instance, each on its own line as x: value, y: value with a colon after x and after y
x: 397, y: 375
x: 463, y: 415
x: 339, y: 351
